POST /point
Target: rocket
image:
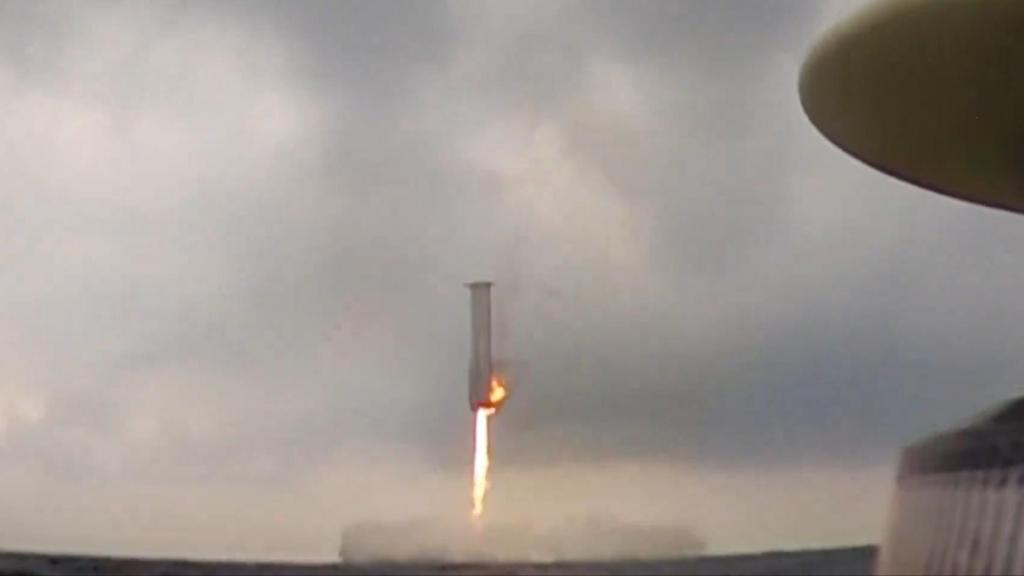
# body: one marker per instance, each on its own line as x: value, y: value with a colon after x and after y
x: 487, y: 389
x: 481, y: 369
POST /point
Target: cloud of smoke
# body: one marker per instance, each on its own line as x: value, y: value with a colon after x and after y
x: 593, y: 537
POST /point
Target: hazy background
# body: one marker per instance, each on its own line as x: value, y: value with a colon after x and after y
x: 232, y: 318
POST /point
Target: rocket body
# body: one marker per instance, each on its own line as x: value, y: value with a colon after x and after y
x: 480, y: 363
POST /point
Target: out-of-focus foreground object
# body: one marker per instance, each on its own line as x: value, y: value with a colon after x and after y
x: 929, y: 91
x: 932, y: 92
x: 959, y: 505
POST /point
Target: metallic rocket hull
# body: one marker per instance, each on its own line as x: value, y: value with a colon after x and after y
x: 480, y: 363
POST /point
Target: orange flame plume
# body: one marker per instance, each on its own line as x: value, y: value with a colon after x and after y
x: 481, y: 456
x: 498, y: 392
x: 481, y: 462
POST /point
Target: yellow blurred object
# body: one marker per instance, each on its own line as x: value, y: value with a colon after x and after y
x: 928, y: 91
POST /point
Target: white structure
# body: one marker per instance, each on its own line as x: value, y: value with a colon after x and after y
x: 959, y: 502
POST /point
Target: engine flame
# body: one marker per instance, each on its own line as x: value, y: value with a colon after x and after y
x: 498, y: 392
x: 481, y: 462
x: 496, y: 396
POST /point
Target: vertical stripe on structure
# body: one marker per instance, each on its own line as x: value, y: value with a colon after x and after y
x: 945, y: 500
x: 957, y: 497
x: 1005, y: 505
x: 935, y: 524
x: 962, y: 540
x: 914, y: 543
x: 903, y: 547
x: 967, y: 548
x: 935, y: 527
x: 981, y: 537
x: 969, y: 538
x: 988, y: 536
x: 911, y: 536
x: 967, y: 490
x: 920, y: 525
x: 888, y: 556
x: 1015, y: 556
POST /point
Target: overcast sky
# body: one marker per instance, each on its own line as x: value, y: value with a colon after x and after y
x: 232, y: 313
